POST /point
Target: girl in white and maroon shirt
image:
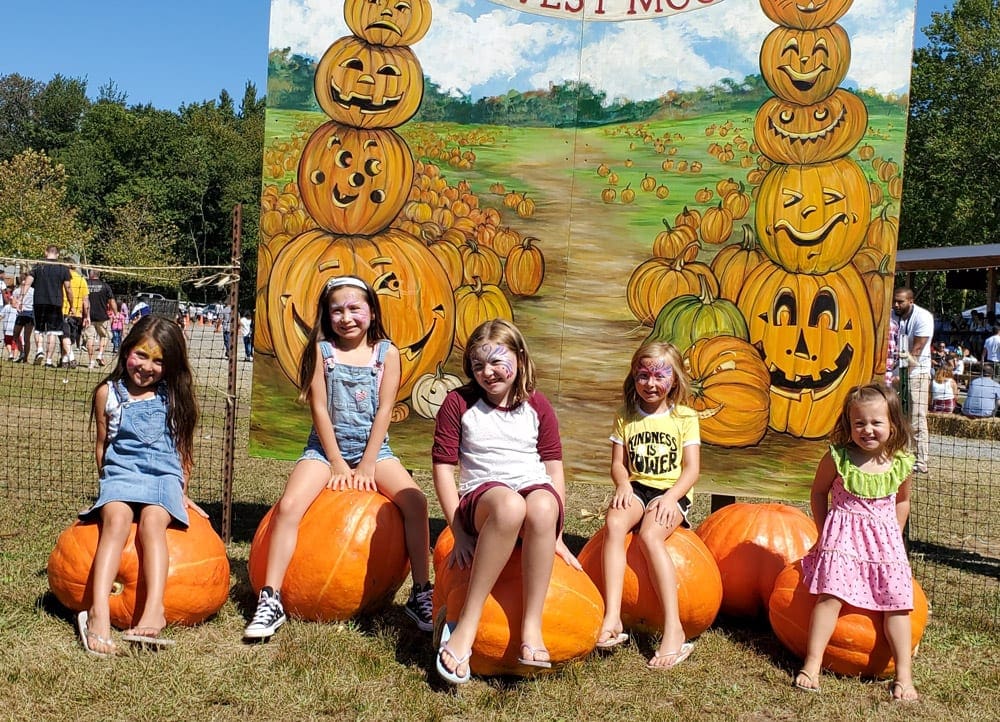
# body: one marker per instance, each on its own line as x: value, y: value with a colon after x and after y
x: 504, y: 436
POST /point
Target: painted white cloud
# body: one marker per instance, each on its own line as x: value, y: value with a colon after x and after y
x: 477, y: 44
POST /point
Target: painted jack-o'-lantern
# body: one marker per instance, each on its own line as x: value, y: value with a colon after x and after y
x: 805, y: 15
x: 368, y: 86
x: 354, y: 181
x: 812, y: 218
x: 814, y: 334
x: 418, y: 309
x: 388, y: 22
x: 805, y: 66
x: 790, y: 133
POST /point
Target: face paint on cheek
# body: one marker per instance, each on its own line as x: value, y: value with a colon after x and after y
x: 655, y: 371
x: 499, y: 357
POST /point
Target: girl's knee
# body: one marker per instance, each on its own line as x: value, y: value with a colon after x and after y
x: 542, y: 510
x: 412, y: 503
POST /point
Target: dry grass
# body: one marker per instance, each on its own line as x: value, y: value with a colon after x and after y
x: 381, y: 668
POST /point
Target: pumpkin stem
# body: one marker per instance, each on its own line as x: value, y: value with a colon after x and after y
x: 477, y: 285
x: 706, y: 292
x: 750, y: 241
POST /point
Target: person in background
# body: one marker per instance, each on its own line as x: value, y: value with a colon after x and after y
x: 246, y: 333
x: 24, y: 325
x: 8, y: 317
x: 983, y: 398
x: 117, y: 319
x: 991, y: 347
x: 225, y: 324
x: 916, y: 326
x: 944, y: 391
x: 102, y: 306
x: 51, y: 280
x: 76, y: 316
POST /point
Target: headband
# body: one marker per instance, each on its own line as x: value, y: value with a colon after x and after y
x: 346, y: 281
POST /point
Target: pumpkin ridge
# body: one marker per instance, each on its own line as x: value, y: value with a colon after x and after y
x: 357, y: 514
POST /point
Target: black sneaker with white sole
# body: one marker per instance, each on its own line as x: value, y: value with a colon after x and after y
x: 420, y: 607
x: 269, y: 615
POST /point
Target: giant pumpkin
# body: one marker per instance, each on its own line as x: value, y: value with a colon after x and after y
x: 805, y: 15
x: 858, y: 646
x: 197, y: 573
x: 571, y: 615
x: 729, y: 390
x: 388, y: 22
x: 368, y: 86
x: 699, y: 586
x: 752, y: 544
x: 418, y: 309
x: 830, y: 128
x: 812, y: 218
x: 350, y: 556
x: 805, y: 66
x: 814, y: 334
x: 354, y: 181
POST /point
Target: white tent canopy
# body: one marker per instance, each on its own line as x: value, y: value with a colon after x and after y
x: 967, y: 313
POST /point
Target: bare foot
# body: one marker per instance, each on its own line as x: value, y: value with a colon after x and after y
x: 808, y: 681
x: 901, y: 692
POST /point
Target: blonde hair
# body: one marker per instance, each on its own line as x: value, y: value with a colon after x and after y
x: 680, y: 391
x: 943, y: 373
x: 900, y: 431
x: 506, y: 333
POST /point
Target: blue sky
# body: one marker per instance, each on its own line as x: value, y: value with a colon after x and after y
x: 168, y: 53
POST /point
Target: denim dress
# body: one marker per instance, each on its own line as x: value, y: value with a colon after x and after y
x: 141, y: 463
x: 351, y: 402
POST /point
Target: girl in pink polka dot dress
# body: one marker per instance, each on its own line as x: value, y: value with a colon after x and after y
x: 860, y: 500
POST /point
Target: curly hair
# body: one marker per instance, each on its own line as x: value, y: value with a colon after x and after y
x: 900, y: 431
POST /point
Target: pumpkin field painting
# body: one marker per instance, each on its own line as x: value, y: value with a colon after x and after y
x: 722, y: 175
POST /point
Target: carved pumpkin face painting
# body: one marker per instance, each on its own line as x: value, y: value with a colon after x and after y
x: 805, y: 66
x: 368, y: 86
x: 812, y: 218
x: 353, y: 180
x: 805, y: 15
x: 790, y: 133
x: 815, y: 335
x: 418, y: 308
x: 388, y: 22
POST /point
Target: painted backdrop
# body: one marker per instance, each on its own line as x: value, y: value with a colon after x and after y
x: 724, y: 175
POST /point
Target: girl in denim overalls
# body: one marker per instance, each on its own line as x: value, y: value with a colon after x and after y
x: 146, y: 414
x: 349, y: 374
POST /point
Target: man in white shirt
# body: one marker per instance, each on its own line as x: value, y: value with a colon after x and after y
x: 991, y: 348
x: 916, y: 326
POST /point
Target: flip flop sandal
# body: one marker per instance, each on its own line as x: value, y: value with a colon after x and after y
x: 530, y: 661
x: 152, y: 640
x: 451, y: 676
x: 612, y: 641
x: 805, y: 688
x: 679, y: 656
x: 903, y: 689
x: 86, y: 635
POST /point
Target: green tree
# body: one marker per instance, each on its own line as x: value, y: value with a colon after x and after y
x: 34, y: 210
x: 137, y: 237
x: 44, y: 116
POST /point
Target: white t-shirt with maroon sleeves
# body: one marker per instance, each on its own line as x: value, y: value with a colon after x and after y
x: 494, y: 443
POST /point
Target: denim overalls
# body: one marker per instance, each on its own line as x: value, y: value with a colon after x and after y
x: 141, y: 463
x: 351, y: 402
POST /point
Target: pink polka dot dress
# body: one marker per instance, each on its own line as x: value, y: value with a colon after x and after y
x: 860, y: 557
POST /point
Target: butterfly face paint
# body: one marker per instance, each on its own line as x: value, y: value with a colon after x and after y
x: 653, y: 380
x: 494, y: 367
x: 349, y: 312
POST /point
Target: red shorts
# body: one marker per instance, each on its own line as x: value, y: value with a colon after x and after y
x: 466, y: 511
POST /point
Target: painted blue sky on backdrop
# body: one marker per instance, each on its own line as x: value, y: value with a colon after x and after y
x: 185, y: 51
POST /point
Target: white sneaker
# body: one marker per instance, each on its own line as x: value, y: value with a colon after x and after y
x: 269, y: 615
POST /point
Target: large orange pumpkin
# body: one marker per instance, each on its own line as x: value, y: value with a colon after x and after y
x: 197, y: 573
x: 525, y: 268
x: 418, y: 308
x: 752, y: 544
x: 350, y: 556
x: 354, y: 181
x: 809, y: 15
x: 858, y: 646
x: 805, y: 66
x: 657, y: 280
x: 699, y: 586
x: 571, y: 617
x: 814, y: 333
x: 679, y: 241
x: 729, y: 390
x: 876, y: 269
x: 368, y: 86
x: 475, y: 304
x: 388, y: 22
x: 812, y: 218
x: 733, y: 263
x: 790, y: 133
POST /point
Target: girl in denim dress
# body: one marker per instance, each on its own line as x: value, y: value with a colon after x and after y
x: 145, y: 413
x: 350, y: 374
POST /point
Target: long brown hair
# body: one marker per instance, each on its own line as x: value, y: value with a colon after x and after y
x: 503, y: 332
x: 178, y: 380
x: 680, y: 391
x: 900, y: 431
x: 322, y: 330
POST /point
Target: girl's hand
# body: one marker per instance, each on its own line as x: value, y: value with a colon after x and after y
x: 622, y: 498
x: 194, y: 507
x: 341, y: 477
x: 364, y: 478
x: 463, y: 551
x: 666, y: 513
x: 566, y: 555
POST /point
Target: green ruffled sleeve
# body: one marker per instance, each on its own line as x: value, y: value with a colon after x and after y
x: 872, y: 486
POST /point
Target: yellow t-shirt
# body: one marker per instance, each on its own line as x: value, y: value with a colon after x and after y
x: 654, y: 444
x: 78, y: 285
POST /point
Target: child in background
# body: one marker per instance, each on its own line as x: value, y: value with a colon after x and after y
x: 145, y: 413
x: 117, y: 319
x: 349, y: 374
x: 504, y: 435
x: 860, y: 501
x: 655, y: 461
x: 8, y: 317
